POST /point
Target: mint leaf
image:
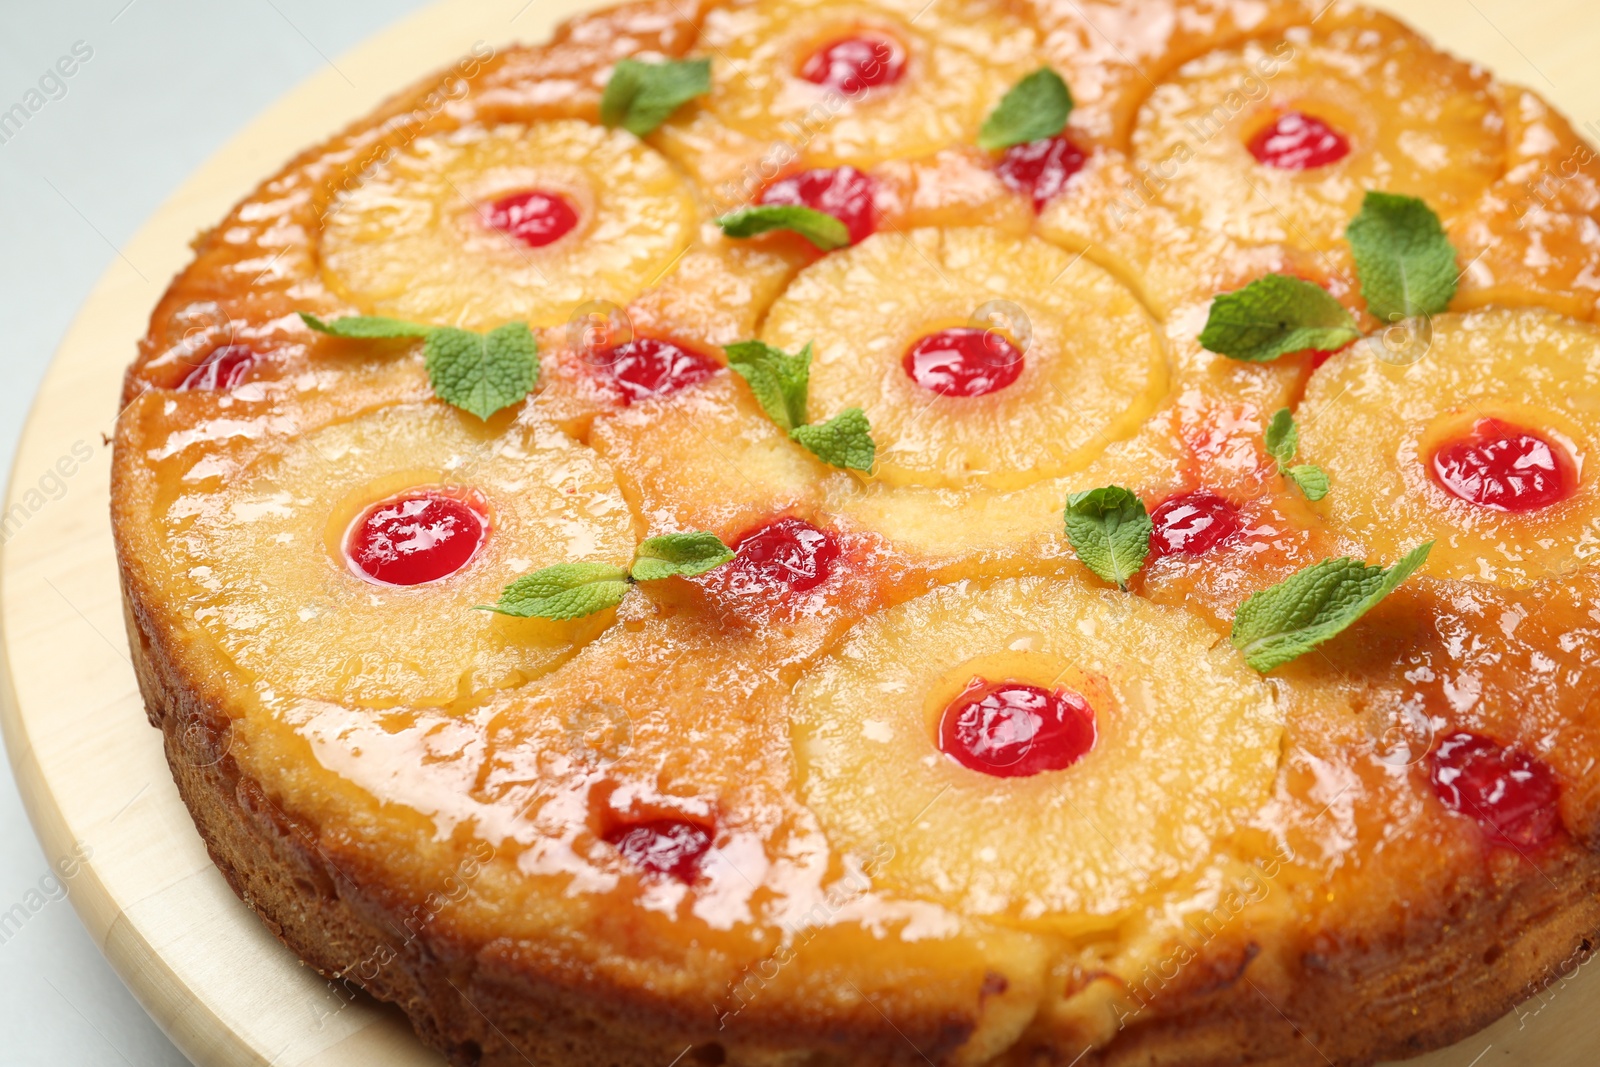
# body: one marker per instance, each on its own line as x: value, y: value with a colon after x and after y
x: 1406, y: 263
x: 818, y: 227
x: 1283, y: 437
x: 843, y: 441
x: 1033, y: 109
x: 680, y: 554
x: 1274, y: 316
x: 640, y: 96
x: 778, y: 379
x: 1311, y: 480
x: 1110, y: 531
x: 1288, y: 620
x: 564, y: 591
x: 366, y: 326
x: 1283, y: 441
x: 482, y: 373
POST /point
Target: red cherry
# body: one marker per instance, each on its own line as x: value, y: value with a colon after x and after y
x: 647, y: 367
x: 963, y: 361
x: 417, y: 538
x: 1011, y: 730
x: 663, y: 846
x: 1040, y: 169
x: 843, y: 192
x: 224, y: 369
x: 536, y: 218
x: 1192, y: 524
x: 786, y: 554
x: 1297, y: 141
x: 853, y: 64
x: 1508, y: 792
x: 1505, y: 468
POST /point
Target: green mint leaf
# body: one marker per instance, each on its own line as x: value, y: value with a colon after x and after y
x: 1033, y: 109
x: 1283, y: 437
x: 778, y: 379
x: 1110, y: 531
x: 564, y: 591
x: 843, y: 441
x: 1274, y: 316
x: 1406, y: 263
x: 482, y: 373
x: 1289, y: 619
x: 640, y: 96
x: 366, y: 326
x: 682, y: 555
x: 1283, y: 441
x: 1310, y: 479
x: 818, y: 227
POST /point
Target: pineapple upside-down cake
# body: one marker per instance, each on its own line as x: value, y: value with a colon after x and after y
x: 856, y: 532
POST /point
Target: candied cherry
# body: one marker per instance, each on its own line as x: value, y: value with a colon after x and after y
x: 785, y: 554
x: 1508, y: 792
x: 1040, y: 169
x: 843, y: 192
x: 1012, y: 730
x: 963, y: 361
x: 1297, y: 141
x: 1505, y: 468
x: 224, y: 369
x: 1192, y: 524
x: 854, y: 64
x: 536, y: 217
x: 647, y: 367
x: 663, y: 846
x: 416, y: 538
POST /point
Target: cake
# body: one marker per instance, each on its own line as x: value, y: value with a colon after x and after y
x: 859, y: 532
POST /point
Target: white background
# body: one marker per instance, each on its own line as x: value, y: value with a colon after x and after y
x: 169, y: 81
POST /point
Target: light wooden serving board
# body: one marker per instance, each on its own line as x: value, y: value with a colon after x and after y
x: 91, y: 769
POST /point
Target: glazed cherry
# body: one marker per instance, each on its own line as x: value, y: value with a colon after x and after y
x: 663, y: 846
x: 224, y: 369
x: 536, y: 218
x: 1297, y: 141
x: 1507, y: 791
x: 854, y: 64
x: 1192, y: 524
x: 1040, y: 169
x: 417, y: 538
x: 963, y: 361
x: 843, y: 192
x: 785, y: 554
x: 647, y: 367
x: 1012, y: 730
x: 1504, y: 468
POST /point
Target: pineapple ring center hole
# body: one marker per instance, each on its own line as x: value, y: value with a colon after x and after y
x: 422, y: 535
x: 1038, y: 714
x: 964, y: 361
x: 855, y: 63
x: 536, y: 217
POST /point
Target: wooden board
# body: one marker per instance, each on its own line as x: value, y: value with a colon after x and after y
x: 91, y: 769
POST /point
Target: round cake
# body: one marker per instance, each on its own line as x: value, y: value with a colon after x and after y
x: 861, y: 532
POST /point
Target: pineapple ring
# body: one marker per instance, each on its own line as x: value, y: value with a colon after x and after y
x: 1418, y: 122
x: 1373, y: 425
x: 960, y: 57
x: 410, y: 242
x: 863, y: 308
x: 1187, y: 743
x: 278, y: 596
